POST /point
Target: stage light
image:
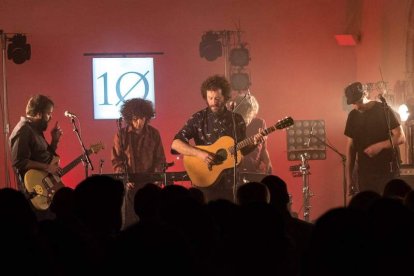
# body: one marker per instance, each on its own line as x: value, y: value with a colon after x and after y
x: 18, y: 50
x: 240, y: 81
x: 403, y: 112
x: 210, y: 46
x: 239, y: 56
x: 306, y: 136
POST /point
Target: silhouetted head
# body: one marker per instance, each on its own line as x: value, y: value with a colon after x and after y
x: 279, y: 196
x: 63, y: 202
x: 16, y: 215
x: 147, y: 202
x: 396, y: 188
x: 252, y: 192
x: 363, y: 200
x: 197, y: 194
x: 98, y: 202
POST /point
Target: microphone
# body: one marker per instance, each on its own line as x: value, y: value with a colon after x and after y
x: 382, y: 99
x: 70, y: 114
x: 119, y: 122
x: 306, y: 144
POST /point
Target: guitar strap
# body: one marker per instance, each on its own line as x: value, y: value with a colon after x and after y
x: 20, y: 183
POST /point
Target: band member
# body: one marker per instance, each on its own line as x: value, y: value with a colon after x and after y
x: 29, y: 148
x: 258, y: 161
x: 209, y: 124
x: 372, y: 130
x: 137, y: 148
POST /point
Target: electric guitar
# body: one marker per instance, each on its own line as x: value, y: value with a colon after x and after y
x: 42, y: 186
x: 202, y: 175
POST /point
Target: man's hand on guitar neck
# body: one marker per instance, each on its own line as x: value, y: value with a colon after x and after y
x: 53, y: 168
x: 259, y: 137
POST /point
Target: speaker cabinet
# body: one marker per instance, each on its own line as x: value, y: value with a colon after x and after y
x: 407, y: 174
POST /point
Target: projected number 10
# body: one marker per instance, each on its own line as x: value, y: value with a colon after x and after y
x: 130, y: 87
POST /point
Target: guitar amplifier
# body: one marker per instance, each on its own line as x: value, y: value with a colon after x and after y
x: 407, y: 174
x: 406, y: 170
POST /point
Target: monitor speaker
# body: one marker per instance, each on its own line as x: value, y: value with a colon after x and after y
x: 407, y: 174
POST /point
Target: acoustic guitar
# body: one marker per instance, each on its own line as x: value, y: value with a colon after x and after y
x: 42, y: 186
x: 202, y: 175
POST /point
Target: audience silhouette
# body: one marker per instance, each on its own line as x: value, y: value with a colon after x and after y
x: 396, y: 188
x: 178, y: 232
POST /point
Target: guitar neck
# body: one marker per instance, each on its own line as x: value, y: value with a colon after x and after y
x: 250, y: 140
x: 75, y: 162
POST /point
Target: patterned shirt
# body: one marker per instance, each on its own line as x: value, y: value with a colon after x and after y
x: 206, y: 127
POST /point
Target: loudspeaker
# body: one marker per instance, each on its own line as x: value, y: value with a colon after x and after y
x: 407, y: 174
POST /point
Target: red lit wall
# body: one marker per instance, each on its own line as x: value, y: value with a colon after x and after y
x: 297, y: 69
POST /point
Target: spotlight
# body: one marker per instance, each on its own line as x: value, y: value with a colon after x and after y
x: 210, y: 46
x: 240, y: 81
x: 403, y: 112
x: 18, y: 49
x: 301, y: 138
x: 239, y: 56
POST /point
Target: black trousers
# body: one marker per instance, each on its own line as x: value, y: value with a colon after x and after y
x: 374, y: 182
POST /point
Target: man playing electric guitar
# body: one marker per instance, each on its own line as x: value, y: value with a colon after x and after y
x: 29, y: 148
x: 207, y: 126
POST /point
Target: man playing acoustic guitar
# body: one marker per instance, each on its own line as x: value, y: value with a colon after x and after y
x: 206, y: 127
x: 29, y: 148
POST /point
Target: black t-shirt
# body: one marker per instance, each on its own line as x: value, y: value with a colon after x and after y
x: 367, y: 128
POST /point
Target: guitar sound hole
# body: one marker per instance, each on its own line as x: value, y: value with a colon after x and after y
x: 221, y: 156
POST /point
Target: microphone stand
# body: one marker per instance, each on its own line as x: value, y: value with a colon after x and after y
x: 343, y: 159
x: 122, y: 145
x: 101, y: 162
x: 394, y: 151
x: 304, y: 170
x: 6, y: 130
x: 235, y: 146
x: 165, y: 166
x: 125, y: 178
x: 86, y: 161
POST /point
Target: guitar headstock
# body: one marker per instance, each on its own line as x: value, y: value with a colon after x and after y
x: 284, y: 123
x: 95, y: 148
